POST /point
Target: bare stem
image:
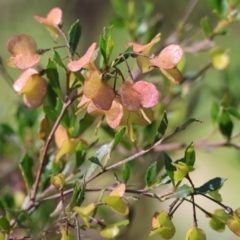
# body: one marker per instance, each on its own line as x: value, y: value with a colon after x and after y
x: 228, y: 209
x: 46, y: 147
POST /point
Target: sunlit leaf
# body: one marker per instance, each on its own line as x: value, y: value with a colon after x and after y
x: 234, y: 222
x: 163, y: 225
x: 174, y: 75
x: 119, y: 190
x: 195, y: 234
x: 116, y: 204
x: 52, y: 22
x: 168, y: 58
x: 110, y: 232
x: 220, y: 58
x: 58, y: 181
x: 24, y: 50
x: 85, y: 212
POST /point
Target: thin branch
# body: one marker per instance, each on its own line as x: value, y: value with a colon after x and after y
x: 46, y: 147
x: 228, y: 209
x: 77, y: 227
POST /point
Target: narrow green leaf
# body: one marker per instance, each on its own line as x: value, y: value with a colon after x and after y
x: 206, y: 27
x: 189, y: 157
x: 126, y: 56
x: 124, y: 222
x: 26, y: 166
x: 58, y: 60
x: 151, y: 174
x: 225, y: 124
x: 77, y: 195
x: 170, y: 169
x: 4, y: 224
x: 212, y: 185
x: 186, y: 124
x: 74, y: 35
x: 117, y: 138
x: 96, y: 161
x: 181, y: 192
x: 234, y: 112
x: 126, y: 172
x: 215, y: 109
x: 162, y: 128
x: 52, y: 75
x: 119, y: 8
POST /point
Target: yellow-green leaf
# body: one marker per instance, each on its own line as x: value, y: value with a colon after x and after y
x: 110, y: 232
x: 116, y: 204
x: 85, y: 212
x: 234, y: 222
x: 220, y: 58
x: 195, y: 234
x: 58, y: 181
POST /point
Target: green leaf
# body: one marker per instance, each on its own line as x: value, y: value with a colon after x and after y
x: 77, y: 195
x: 50, y: 112
x: 225, y: 124
x: 151, y: 174
x: 162, y: 128
x: 117, y: 22
x: 119, y: 8
x: 218, y: 220
x: 181, y: 192
x: 215, y: 109
x: 74, y: 35
x: 212, y: 185
x: 220, y: 7
x: 186, y: 124
x: 206, y: 27
x: 116, y: 204
x: 85, y: 123
x: 110, y: 232
x: 96, y: 161
x: 124, y: 222
x: 170, y: 169
x: 4, y: 224
x: 117, y: 138
x: 189, y: 157
x: 126, y: 172
x: 234, y: 112
x: 58, y: 60
x: 234, y: 222
x: 26, y: 166
x: 216, y: 195
x: 52, y: 75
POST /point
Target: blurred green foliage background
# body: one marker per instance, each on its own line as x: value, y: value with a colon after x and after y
x: 17, y: 17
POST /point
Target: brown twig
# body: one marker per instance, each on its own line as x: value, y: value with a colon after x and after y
x: 46, y: 147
